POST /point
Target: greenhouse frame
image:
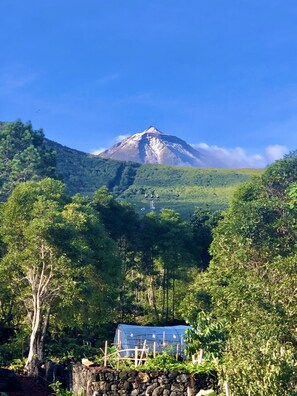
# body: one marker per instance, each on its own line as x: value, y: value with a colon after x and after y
x: 166, y: 338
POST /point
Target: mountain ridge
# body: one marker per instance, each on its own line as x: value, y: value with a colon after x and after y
x: 179, y: 188
x: 155, y: 147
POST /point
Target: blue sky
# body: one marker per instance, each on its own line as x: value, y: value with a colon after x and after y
x: 220, y: 74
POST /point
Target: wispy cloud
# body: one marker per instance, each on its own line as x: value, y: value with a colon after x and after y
x: 237, y: 157
x: 275, y: 152
x: 98, y: 151
x: 119, y: 138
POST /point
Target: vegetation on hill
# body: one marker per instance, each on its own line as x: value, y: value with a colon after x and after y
x: 185, y: 189
x: 85, y: 173
x: 72, y: 266
x: 180, y: 189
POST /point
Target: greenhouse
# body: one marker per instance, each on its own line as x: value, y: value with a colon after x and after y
x: 169, y: 338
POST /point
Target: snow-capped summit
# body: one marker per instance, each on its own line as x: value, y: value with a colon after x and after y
x: 152, y: 129
x: 154, y: 147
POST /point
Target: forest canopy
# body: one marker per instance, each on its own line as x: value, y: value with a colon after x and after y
x: 72, y: 266
x: 246, y: 301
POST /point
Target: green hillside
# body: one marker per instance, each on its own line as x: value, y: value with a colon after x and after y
x: 181, y: 189
x: 184, y: 189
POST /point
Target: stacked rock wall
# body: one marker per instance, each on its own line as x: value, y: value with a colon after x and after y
x: 98, y: 381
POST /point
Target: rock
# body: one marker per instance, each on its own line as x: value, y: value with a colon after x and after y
x: 127, y: 386
x: 177, y: 387
x: 172, y: 375
x: 182, y: 378
x: 109, y: 376
x: 142, y: 377
x: 123, y: 375
x: 158, y: 391
x: 150, y: 389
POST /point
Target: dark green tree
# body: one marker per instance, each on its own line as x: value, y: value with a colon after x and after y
x: 23, y: 156
x: 202, y: 223
x: 57, y: 255
x: 251, y: 284
x: 122, y: 224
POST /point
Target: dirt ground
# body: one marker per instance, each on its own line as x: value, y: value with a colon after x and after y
x: 27, y: 386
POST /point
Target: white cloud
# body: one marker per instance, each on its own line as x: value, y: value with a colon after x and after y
x: 119, y: 138
x: 221, y: 157
x: 98, y: 151
x: 275, y: 152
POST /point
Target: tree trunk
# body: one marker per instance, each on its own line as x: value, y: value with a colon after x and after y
x: 167, y: 296
x: 153, y: 297
x: 41, y: 337
x: 32, y: 359
x: 163, y: 293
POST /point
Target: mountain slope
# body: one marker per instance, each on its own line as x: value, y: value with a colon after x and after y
x: 179, y: 188
x: 85, y: 173
x: 146, y: 186
x: 154, y: 147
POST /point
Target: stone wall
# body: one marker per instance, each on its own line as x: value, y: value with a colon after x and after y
x: 99, y: 381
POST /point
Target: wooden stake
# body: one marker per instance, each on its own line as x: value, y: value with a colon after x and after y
x: 177, y: 354
x: 227, y: 389
x: 136, y: 356
x: 118, y: 359
x: 105, y: 353
x: 119, y: 339
x: 142, y: 352
x: 200, y: 356
x: 154, y: 349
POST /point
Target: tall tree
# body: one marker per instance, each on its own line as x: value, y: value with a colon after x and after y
x: 23, y: 156
x: 122, y: 224
x: 251, y: 284
x: 56, y: 249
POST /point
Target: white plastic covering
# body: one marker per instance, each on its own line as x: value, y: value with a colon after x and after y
x: 169, y: 338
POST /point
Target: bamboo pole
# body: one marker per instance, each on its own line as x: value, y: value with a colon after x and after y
x: 227, y: 389
x: 200, y: 357
x: 177, y: 351
x: 105, y: 353
x: 142, y: 352
x: 136, y: 356
x: 118, y: 359
x: 119, y: 339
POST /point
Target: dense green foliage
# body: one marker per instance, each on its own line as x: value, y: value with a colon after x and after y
x: 23, y: 156
x: 72, y: 266
x: 57, y: 257
x: 85, y: 173
x: 249, y: 291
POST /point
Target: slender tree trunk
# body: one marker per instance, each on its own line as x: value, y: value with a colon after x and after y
x: 163, y: 293
x: 41, y: 337
x: 154, y: 299
x: 167, y: 296
x: 32, y: 356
